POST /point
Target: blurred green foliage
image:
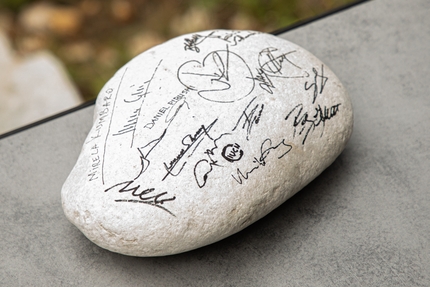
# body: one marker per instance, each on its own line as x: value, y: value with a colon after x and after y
x: 111, y: 39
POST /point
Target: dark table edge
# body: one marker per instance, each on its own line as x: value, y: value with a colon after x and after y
x: 276, y: 32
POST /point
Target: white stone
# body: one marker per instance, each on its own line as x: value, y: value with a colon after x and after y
x: 197, y: 138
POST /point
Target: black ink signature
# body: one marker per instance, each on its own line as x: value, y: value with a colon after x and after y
x: 233, y: 38
x: 189, y: 141
x: 139, y: 92
x: 144, y: 96
x: 143, y: 90
x: 145, y: 151
x: 318, y: 86
x: 96, y: 161
x: 174, y: 106
x: 271, y: 66
x: 204, y: 167
x: 160, y: 113
x: 139, y: 95
x: 264, y: 81
x: 196, y: 39
x: 249, y: 117
x: 101, y: 119
x: 307, y: 123
x: 265, y: 149
x: 214, y: 80
x: 173, y: 112
x: 145, y: 196
x: 131, y: 124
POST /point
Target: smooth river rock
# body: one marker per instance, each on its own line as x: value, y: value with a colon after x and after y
x: 197, y: 138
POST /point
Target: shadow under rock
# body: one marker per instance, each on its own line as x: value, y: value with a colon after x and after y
x: 274, y: 239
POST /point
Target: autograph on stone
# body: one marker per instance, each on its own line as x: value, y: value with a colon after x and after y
x: 137, y: 98
x: 318, y: 83
x: 266, y: 148
x: 232, y: 38
x: 144, y: 195
x: 250, y: 116
x: 275, y: 64
x: 306, y: 122
x: 205, y: 166
x: 190, y: 142
x: 223, y: 76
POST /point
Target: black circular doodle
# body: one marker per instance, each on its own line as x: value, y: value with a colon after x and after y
x: 232, y: 152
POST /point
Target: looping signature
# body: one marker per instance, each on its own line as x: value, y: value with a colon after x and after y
x: 266, y: 148
x: 223, y: 77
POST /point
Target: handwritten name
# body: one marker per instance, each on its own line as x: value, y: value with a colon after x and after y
x: 233, y: 38
x: 102, y: 115
x: 282, y: 148
x: 155, y: 118
x: 264, y: 81
x: 130, y: 126
x: 189, y: 142
x: 223, y: 76
x: 135, y: 102
x: 306, y: 122
x: 95, y: 163
x: 272, y: 63
x: 144, y: 195
x: 250, y: 116
x: 205, y: 166
x: 174, y: 105
x: 318, y: 83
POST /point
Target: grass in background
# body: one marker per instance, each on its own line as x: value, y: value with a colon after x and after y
x: 94, y: 38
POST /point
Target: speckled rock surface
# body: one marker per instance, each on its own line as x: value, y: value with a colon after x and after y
x: 197, y: 138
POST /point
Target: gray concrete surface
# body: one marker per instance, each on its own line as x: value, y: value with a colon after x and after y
x: 364, y: 222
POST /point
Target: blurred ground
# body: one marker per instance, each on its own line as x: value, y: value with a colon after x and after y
x: 94, y: 38
x: 57, y: 54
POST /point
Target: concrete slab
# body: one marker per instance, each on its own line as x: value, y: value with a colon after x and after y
x: 364, y: 222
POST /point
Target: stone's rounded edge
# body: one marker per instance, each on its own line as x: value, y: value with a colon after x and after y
x: 113, y: 241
